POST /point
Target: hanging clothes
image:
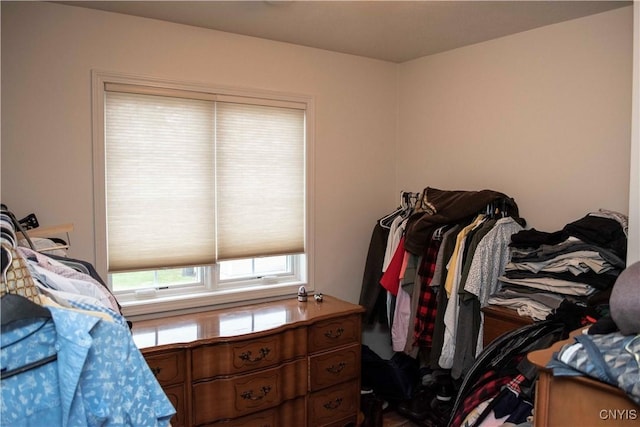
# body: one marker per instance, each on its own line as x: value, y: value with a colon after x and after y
x: 443, y: 263
x: 396, y: 233
x: 391, y: 278
x: 384, y: 240
x: 490, y: 259
x: 16, y: 277
x: 427, y: 305
x: 372, y: 295
x: 438, y: 207
x: 65, y: 366
x: 401, y: 319
x: 61, y: 275
x: 485, y: 262
x: 452, y: 283
x: 439, y: 276
x: 98, y: 378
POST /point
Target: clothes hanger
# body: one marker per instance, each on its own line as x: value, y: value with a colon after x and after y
x: 16, y: 278
x: 8, y: 216
x: 29, y: 227
x: 503, y: 210
x: 406, y: 207
x: 4, y: 374
x: 48, y: 233
x: 437, y: 235
x: 14, y: 308
x: 386, y: 220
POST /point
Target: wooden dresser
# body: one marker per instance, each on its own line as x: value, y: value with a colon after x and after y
x: 271, y: 364
x: 499, y: 320
x: 577, y: 401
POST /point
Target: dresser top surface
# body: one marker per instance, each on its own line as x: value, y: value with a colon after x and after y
x: 237, y: 322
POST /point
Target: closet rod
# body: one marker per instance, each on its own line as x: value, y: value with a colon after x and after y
x: 50, y: 231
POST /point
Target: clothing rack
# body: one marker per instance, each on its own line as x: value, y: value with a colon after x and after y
x: 39, y: 331
x: 49, y: 232
x: 496, y: 208
x: 408, y: 201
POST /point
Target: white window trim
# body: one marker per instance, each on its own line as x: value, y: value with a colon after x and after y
x: 157, y: 306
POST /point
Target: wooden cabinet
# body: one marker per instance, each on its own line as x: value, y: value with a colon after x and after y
x: 169, y: 367
x: 334, y: 371
x: 499, y: 320
x: 272, y: 364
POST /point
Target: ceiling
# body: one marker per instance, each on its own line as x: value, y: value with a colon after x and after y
x: 395, y: 31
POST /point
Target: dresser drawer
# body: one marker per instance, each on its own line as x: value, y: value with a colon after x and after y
x: 232, y: 397
x: 333, y: 367
x: 336, y: 404
x: 334, y: 333
x: 231, y: 358
x: 177, y: 397
x: 169, y: 368
x: 290, y: 413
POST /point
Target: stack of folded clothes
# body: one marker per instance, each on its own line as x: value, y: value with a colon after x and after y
x: 578, y: 264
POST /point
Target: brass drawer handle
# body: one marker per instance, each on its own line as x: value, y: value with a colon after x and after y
x: 333, y: 369
x: 334, y: 404
x: 156, y: 371
x: 331, y: 335
x: 246, y: 356
x: 248, y: 395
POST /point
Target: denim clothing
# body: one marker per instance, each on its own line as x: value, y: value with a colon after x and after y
x: 611, y: 358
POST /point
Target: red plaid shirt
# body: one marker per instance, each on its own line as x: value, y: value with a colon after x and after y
x: 425, y: 319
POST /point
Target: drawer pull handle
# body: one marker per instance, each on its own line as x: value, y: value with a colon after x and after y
x: 331, y: 335
x: 248, y: 395
x: 156, y: 371
x: 246, y: 356
x: 333, y: 369
x: 334, y: 404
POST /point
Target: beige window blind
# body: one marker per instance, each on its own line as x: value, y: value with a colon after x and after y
x: 260, y: 180
x: 190, y: 181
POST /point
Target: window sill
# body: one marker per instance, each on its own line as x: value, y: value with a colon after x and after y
x: 170, y: 305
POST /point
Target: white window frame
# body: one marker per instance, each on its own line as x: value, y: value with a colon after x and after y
x: 156, y: 303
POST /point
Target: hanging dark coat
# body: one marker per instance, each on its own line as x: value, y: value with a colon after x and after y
x: 440, y: 207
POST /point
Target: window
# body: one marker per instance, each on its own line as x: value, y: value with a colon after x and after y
x: 199, y: 192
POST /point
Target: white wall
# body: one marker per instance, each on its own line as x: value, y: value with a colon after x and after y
x: 49, y: 50
x: 633, y: 252
x: 542, y: 115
